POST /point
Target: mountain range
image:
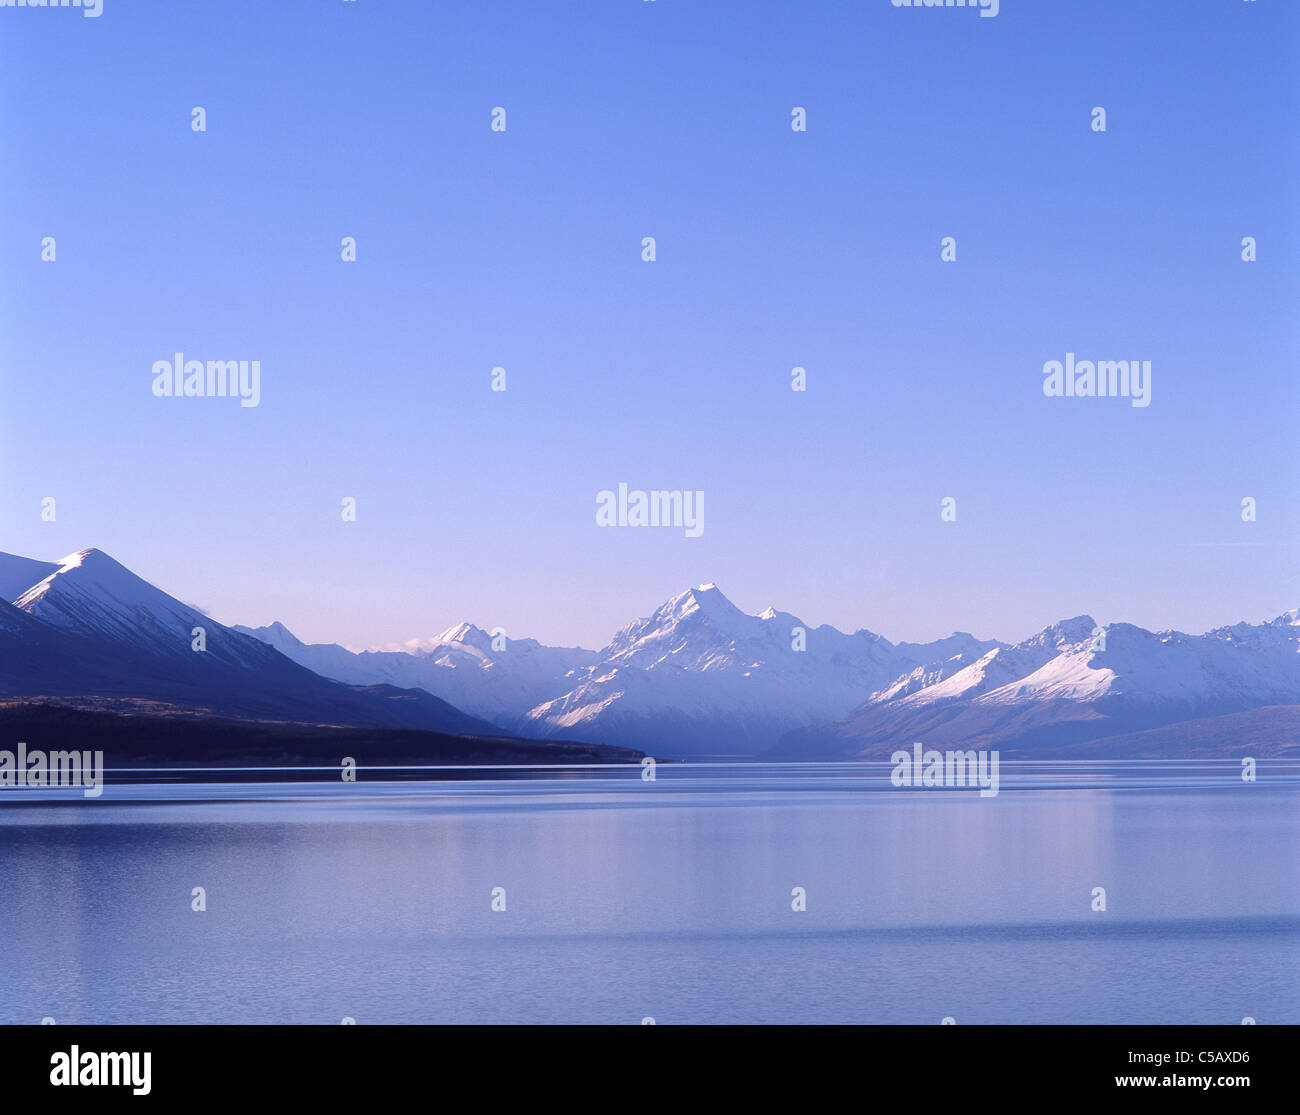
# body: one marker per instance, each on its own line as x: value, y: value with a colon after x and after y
x: 91, y: 634
x: 698, y: 677
x: 1066, y: 687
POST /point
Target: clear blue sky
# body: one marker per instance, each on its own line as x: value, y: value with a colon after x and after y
x: 670, y: 119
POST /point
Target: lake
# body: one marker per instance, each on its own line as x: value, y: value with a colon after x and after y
x: 625, y: 899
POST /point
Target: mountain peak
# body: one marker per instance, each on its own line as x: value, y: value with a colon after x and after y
x: 88, y: 558
x: 463, y: 632
x: 703, y: 604
x: 1073, y: 630
x: 707, y: 598
x: 274, y: 634
x: 86, y: 568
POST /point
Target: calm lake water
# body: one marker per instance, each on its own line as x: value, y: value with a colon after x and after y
x: 672, y: 899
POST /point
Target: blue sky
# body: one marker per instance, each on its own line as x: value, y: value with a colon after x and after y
x: 522, y: 249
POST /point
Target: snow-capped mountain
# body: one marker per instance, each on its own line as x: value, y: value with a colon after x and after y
x: 696, y: 677
x: 1066, y: 685
x: 496, y: 678
x: 963, y: 675
x: 91, y: 633
x: 706, y: 678
x: 90, y: 595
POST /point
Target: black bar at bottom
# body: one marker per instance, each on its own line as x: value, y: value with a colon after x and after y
x: 1225, y: 1064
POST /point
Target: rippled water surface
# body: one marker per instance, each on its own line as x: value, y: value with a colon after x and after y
x: 671, y: 899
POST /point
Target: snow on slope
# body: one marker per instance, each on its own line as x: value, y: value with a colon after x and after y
x: 958, y: 677
x: 461, y: 666
x: 1241, y: 664
x: 18, y: 574
x: 726, y: 682
x: 698, y: 672
x: 1232, y: 668
x: 92, y: 595
x: 700, y: 676
x: 1062, y: 677
x: 91, y: 631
